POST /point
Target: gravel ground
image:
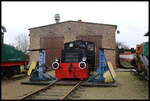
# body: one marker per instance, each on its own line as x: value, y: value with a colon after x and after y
x: 129, y: 86
x: 13, y: 89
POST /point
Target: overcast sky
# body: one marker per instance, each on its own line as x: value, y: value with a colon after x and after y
x: 132, y: 18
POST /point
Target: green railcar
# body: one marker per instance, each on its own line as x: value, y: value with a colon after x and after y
x: 10, y: 54
x: 12, y: 60
x: 146, y: 49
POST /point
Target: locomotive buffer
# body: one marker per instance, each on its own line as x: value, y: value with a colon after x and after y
x: 38, y: 70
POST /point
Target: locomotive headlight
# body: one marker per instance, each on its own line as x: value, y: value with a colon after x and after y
x: 82, y: 65
x: 71, y: 45
x: 57, y: 59
x: 55, y: 65
x: 84, y: 59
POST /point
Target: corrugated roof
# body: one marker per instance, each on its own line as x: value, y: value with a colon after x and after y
x: 76, y: 22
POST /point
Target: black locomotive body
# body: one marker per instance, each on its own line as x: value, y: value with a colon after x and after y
x: 79, y: 50
x: 77, y: 60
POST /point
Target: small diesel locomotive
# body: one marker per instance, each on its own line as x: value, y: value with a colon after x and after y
x: 77, y: 60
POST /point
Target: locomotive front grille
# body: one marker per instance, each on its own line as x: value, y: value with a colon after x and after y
x: 70, y: 56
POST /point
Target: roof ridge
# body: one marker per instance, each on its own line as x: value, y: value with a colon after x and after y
x: 74, y: 21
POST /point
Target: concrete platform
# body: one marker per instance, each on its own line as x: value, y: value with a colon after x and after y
x: 66, y: 82
x: 125, y: 70
x: 85, y: 83
x: 37, y: 82
x: 99, y: 84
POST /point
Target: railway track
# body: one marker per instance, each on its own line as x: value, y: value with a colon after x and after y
x: 14, y: 77
x: 53, y: 92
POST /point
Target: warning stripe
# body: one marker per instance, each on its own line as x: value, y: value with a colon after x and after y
x: 127, y: 53
x: 127, y: 56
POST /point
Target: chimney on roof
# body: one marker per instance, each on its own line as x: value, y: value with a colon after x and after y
x: 57, y: 18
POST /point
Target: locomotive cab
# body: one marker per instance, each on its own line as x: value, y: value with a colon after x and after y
x: 77, y: 60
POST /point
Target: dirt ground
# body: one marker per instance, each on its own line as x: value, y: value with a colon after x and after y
x: 129, y: 86
x: 13, y: 89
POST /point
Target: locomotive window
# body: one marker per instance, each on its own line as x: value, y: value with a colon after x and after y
x: 72, y: 56
x: 71, y: 60
x: 90, y: 47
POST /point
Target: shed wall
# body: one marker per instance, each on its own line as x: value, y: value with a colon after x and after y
x: 71, y: 30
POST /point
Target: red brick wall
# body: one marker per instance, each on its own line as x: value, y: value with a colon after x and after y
x: 53, y: 46
x: 70, y: 30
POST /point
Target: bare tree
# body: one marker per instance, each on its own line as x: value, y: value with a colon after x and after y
x: 21, y: 42
x: 122, y: 45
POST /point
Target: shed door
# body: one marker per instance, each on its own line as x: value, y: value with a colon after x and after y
x: 53, y: 46
x: 97, y: 39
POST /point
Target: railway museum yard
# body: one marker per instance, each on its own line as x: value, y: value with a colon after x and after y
x: 129, y: 86
x: 83, y: 53
x: 76, y: 59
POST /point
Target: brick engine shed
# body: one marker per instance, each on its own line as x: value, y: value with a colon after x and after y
x: 53, y: 36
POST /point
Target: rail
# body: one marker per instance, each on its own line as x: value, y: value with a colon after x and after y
x: 53, y: 83
x: 27, y: 96
x: 65, y: 96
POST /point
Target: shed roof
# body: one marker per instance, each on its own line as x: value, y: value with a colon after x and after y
x: 75, y: 22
